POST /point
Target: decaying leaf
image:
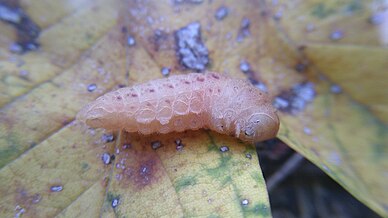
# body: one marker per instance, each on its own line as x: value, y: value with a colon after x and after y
x: 53, y: 165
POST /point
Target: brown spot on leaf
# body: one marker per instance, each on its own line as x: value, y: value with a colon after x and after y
x: 141, y: 171
x: 160, y: 40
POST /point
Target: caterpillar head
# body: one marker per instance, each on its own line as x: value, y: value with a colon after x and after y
x: 257, y: 126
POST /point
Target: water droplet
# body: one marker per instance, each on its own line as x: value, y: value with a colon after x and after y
x: 36, y: 198
x: 245, y: 23
x: 23, y: 73
x: 260, y: 85
x: 126, y: 146
x: 106, y: 138
x: 278, y: 15
x: 166, y: 71
x: 376, y: 19
x: 310, y: 27
x: 307, y: 130
x: 92, y: 87
x: 115, y: 202
x: 244, y: 66
x: 224, y: 148
x: 106, y: 158
x: 178, y: 141
x: 56, y: 188
x: 119, y: 176
x: 336, y: 89
x: 179, y: 145
x: 16, y: 48
x: 131, y: 41
x: 221, y: 13
x: 245, y: 202
x: 336, y: 35
x: 19, y: 211
x: 156, y: 144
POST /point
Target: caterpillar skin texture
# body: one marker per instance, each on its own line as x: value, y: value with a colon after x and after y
x: 182, y: 102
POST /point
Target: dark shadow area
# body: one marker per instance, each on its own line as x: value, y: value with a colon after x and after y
x: 304, y: 190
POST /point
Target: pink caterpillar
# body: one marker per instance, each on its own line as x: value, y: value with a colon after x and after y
x: 192, y: 101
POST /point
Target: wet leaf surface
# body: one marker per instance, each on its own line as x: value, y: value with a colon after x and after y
x: 52, y: 165
x: 344, y: 130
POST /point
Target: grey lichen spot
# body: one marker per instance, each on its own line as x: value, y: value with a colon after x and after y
x: 92, y: 87
x: 106, y: 158
x: 131, y: 41
x: 304, y: 92
x: 191, y: 51
x: 221, y: 13
x: 281, y: 103
x: 156, y: 144
x: 224, y: 148
x: 296, y: 99
x: 56, y: 188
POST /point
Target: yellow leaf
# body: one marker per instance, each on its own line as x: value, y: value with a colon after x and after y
x: 343, y: 131
x: 51, y: 165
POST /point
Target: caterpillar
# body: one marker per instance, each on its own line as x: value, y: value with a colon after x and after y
x: 182, y: 102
